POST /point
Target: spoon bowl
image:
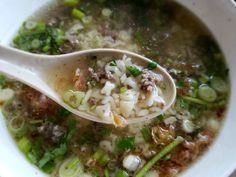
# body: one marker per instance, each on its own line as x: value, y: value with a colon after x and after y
x: 38, y: 71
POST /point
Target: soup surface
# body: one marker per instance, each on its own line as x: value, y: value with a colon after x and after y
x: 66, y: 146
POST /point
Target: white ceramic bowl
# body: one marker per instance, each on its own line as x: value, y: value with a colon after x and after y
x: 218, y: 15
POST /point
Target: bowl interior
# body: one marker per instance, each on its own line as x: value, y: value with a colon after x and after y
x: 219, y: 17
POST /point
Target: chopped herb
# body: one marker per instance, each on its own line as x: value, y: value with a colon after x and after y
x: 105, y: 131
x: 101, y: 157
x: 77, y: 13
x: 152, y: 65
x: 51, y: 155
x: 71, y: 129
x: 2, y: 80
x: 134, y: 71
x: 48, y: 167
x: 159, y: 119
x: 146, y: 134
x: 71, y: 2
x: 125, y: 143
x: 113, y: 63
x: 195, y: 100
x: 93, y: 83
x: 123, y: 89
x: 138, y: 36
x: 24, y: 144
x: 62, y: 112
x: 106, y: 173
x: 180, y: 83
x: 121, y: 173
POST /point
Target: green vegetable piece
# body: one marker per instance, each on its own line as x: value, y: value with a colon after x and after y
x: 152, y: 65
x: 77, y: 13
x: 195, y: 100
x: 138, y: 36
x: 219, y: 85
x: 24, y: 144
x: 71, y: 2
x: 146, y: 134
x: 106, y: 173
x: 71, y: 129
x: 48, y: 156
x: 41, y: 27
x: 123, y: 89
x: 125, y: 143
x: 134, y: 71
x: 60, y: 151
x: 31, y: 158
x: 48, y: 167
x: 73, y: 98
x: 121, y: 173
x: 62, y: 112
x: 113, y: 63
x: 101, y: 157
x: 71, y: 167
x: 46, y: 48
x: 35, y: 44
x: 204, y: 79
x: 166, y: 150
x: 93, y: 83
x: 159, y: 119
x: 2, y: 80
x: 206, y: 93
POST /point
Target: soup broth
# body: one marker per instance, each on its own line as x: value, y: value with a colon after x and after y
x: 64, y: 145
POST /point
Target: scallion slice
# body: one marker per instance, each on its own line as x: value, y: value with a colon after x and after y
x: 134, y: 71
x: 207, y: 93
x: 73, y: 98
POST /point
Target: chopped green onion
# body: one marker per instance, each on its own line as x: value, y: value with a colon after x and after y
x: 2, y: 80
x: 24, y: 144
x: 219, y: 85
x: 39, y: 121
x: 195, y: 100
x: 77, y: 13
x: 71, y: 167
x: 93, y: 83
x: 31, y: 157
x: 41, y: 27
x: 46, y: 48
x: 113, y: 63
x: 204, y: 79
x: 138, y: 36
x: 101, y: 157
x: 35, y: 44
x: 71, y: 2
x: 159, y: 119
x: 16, y: 125
x: 106, y: 12
x: 158, y: 156
x: 207, y: 93
x: 48, y: 167
x: 62, y: 112
x: 125, y: 143
x: 73, y: 98
x: 121, y: 173
x: 134, y: 71
x: 106, y: 173
x: 87, y: 19
x: 146, y: 134
x: 30, y: 25
x: 123, y: 89
x: 152, y: 65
